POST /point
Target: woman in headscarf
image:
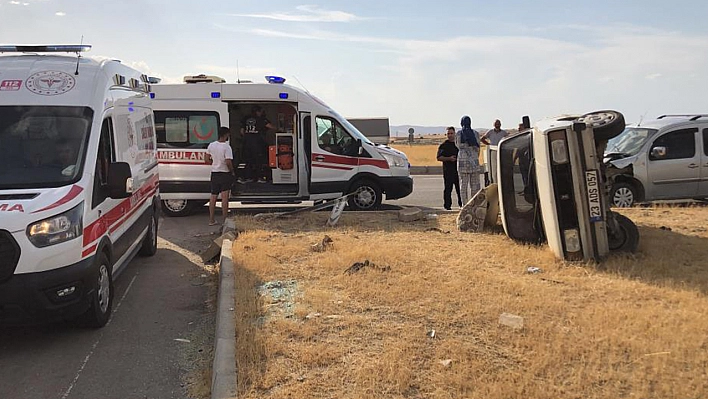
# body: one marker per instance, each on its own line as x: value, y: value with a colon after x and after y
x: 467, y: 140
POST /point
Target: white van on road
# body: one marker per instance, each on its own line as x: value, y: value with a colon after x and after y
x: 78, y: 182
x: 314, y: 153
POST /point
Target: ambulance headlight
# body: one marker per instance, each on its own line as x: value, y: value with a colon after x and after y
x: 57, y: 229
x: 572, y: 240
x: 395, y: 161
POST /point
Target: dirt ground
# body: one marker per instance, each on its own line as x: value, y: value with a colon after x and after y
x: 420, y: 310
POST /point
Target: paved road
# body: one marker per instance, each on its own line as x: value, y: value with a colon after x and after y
x: 159, y: 302
x: 427, y: 192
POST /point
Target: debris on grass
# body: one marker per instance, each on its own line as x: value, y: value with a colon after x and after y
x: 438, y: 230
x: 431, y: 334
x: 323, y: 245
x: 446, y: 362
x: 533, y: 270
x: 357, y: 266
x: 511, y: 320
x: 410, y: 214
x: 279, y: 297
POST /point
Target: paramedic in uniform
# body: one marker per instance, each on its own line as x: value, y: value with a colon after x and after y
x: 255, y: 147
x: 220, y: 156
x: 467, y: 141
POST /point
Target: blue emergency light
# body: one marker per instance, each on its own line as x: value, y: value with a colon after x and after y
x: 275, y: 79
x: 62, y: 48
x: 152, y: 95
x: 215, y: 94
x: 283, y: 96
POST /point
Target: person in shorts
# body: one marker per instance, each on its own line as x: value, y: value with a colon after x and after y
x: 220, y: 156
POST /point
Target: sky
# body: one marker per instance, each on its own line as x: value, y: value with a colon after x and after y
x: 415, y: 62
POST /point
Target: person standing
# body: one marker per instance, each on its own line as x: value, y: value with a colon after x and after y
x: 494, y: 136
x: 447, y: 154
x: 220, y: 156
x: 254, y: 127
x: 467, y: 141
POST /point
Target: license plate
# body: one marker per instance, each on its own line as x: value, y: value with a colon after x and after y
x: 592, y: 183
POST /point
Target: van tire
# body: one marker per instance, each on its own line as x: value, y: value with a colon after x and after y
x: 623, y: 195
x: 178, y: 208
x: 149, y: 246
x: 369, y: 195
x: 626, y: 237
x: 605, y: 124
x: 101, y: 298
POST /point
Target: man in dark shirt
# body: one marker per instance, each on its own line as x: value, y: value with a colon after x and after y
x: 447, y: 154
x: 255, y: 148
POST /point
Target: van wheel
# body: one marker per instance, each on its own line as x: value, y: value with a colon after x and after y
x: 605, y: 124
x: 367, y: 197
x: 624, y: 236
x: 177, y: 208
x: 623, y: 195
x: 149, y: 246
x: 101, y: 299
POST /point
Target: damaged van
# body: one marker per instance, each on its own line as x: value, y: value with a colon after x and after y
x: 553, y: 188
x: 313, y: 153
x: 661, y: 159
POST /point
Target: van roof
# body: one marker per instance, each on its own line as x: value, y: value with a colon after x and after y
x: 670, y: 120
x: 51, y: 79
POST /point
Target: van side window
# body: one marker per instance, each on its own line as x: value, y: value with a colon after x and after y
x: 333, y: 138
x: 679, y: 144
x: 186, y: 129
x: 106, y: 155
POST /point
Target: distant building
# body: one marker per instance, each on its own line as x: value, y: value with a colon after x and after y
x: 375, y: 129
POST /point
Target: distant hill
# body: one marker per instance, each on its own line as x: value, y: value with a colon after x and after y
x: 402, y: 130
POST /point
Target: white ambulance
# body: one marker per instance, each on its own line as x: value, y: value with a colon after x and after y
x: 78, y: 182
x: 313, y: 152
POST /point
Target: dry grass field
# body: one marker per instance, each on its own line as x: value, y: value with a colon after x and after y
x: 423, y: 154
x: 633, y: 327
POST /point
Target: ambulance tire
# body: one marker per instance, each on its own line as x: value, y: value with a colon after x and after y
x: 149, y: 246
x: 368, y: 196
x: 626, y: 239
x: 178, y: 208
x: 101, y: 297
x: 605, y: 124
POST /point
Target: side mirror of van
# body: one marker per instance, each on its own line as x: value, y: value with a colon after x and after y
x: 120, y: 180
x: 658, y: 152
x: 360, y: 147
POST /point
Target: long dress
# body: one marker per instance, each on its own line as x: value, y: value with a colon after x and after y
x: 467, y: 167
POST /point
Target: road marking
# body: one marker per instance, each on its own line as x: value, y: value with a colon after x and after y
x: 95, y: 344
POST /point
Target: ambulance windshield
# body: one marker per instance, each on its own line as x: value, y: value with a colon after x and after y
x: 42, y: 147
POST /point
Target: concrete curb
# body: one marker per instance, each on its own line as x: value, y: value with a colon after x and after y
x: 223, y: 380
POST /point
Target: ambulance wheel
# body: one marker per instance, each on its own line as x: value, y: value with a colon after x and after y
x: 149, y: 246
x: 178, y: 207
x: 101, y: 297
x: 367, y: 197
x: 605, y: 124
x: 625, y: 236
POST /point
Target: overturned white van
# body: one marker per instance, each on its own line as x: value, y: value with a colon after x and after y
x: 78, y: 182
x: 315, y: 154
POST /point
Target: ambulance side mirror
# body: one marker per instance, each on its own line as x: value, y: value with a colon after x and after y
x: 120, y: 180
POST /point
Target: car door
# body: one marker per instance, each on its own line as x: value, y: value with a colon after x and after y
x: 335, y: 157
x: 703, y: 185
x: 673, y: 165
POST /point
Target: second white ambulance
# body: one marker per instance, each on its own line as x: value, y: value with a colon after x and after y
x: 315, y: 154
